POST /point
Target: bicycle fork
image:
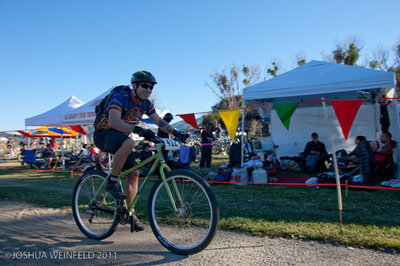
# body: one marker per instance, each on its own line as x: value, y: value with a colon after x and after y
x: 178, y: 210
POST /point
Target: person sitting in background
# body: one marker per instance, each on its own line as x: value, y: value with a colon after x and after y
x: 384, y: 158
x: 387, y: 147
x: 363, y: 152
x: 145, y: 153
x: 93, y: 155
x: 313, y: 152
x: 84, y: 157
x: 50, y: 155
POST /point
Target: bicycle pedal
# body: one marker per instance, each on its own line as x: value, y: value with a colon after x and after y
x: 135, y: 227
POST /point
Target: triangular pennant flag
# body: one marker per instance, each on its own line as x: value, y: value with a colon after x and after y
x: 345, y: 112
x: 190, y: 119
x: 78, y: 129
x: 231, y: 119
x: 285, y: 112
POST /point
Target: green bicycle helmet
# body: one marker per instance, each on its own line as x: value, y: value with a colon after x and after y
x: 142, y: 76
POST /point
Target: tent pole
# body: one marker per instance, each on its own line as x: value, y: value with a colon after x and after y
x: 396, y: 109
x: 62, y: 152
x: 339, y: 191
x: 242, y: 137
x: 376, y: 108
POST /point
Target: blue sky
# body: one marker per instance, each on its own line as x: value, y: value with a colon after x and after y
x: 52, y: 49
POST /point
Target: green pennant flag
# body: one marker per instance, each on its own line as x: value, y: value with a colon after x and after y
x: 285, y: 112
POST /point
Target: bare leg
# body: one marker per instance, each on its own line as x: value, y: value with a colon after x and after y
x: 119, y: 160
x: 121, y: 155
x: 131, y: 186
x: 55, y: 162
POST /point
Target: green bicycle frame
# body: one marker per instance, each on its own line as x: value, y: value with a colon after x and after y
x: 158, y: 159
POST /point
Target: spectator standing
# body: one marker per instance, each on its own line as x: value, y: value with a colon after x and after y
x: 206, y: 146
x: 167, y: 118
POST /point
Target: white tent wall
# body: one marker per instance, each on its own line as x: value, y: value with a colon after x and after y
x: 312, y: 119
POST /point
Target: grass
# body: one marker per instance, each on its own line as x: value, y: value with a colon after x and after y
x: 370, y: 218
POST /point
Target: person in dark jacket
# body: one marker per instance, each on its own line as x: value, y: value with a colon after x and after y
x: 363, y: 152
x: 313, y: 152
x: 167, y: 118
x: 206, y: 145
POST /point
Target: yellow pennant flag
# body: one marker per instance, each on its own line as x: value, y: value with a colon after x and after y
x: 231, y: 119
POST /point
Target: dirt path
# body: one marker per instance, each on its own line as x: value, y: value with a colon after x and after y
x: 34, y: 235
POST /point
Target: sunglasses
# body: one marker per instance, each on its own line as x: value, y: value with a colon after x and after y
x: 145, y: 86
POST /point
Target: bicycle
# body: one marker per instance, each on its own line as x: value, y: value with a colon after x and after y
x: 182, y: 208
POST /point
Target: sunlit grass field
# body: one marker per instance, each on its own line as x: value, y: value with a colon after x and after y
x: 370, y: 218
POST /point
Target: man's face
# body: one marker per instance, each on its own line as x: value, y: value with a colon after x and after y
x: 314, y: 138
x: 384, y: 138
x: 144, y: 90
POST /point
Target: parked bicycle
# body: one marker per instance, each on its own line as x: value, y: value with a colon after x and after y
x: 221, y: 145
x: 182, y: 208
x: 196, y: 143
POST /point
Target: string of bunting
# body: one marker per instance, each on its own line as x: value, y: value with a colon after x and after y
x: 345, y: 110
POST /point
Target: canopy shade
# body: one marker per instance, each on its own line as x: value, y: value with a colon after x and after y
x: 85, y: 114
x: 316, y: 79
x: 55, y: 115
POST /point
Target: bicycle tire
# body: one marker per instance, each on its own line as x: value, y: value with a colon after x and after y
x: 215, y: 150
x: 184, y: 233
x: 103, y: 220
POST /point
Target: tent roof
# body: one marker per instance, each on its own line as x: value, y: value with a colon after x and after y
x: 316, y: 79
x: 85, y: 114
x: 55, y: 115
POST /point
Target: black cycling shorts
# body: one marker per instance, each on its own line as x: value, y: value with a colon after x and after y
x: 110, y: 141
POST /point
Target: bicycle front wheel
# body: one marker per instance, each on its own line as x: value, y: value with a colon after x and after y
x: 193, y: 226
x: 97, y: 219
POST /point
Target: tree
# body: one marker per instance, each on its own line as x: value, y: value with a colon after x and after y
x: 251, y: 74
x: 274, y: 70
x: 301, y: 61
x: 213, y: 118
x: 228, y: 88
x: 352, y: 54
x: 347, y: 53
x: 338, y: 55
x: 381, y: 57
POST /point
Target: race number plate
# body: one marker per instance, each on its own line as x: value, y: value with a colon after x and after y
x: 171, y: 145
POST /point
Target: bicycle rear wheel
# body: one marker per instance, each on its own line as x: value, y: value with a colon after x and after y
x: 191, y: 229
x: 97, y: 220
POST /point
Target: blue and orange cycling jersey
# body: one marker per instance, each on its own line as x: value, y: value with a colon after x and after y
x: 136, y: 109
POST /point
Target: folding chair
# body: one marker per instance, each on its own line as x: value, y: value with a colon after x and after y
x: 31, y: 159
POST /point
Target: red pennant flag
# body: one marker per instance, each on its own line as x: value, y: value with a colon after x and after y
x: 25, y: 134
x: 190, y: 119
x: 345, y: 112
x: 78, y: 129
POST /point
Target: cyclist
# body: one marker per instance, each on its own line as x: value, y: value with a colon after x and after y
x: 112, y: 131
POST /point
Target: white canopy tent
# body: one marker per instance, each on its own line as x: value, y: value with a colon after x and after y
x: 318, y: 79
x: 56, y: 115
